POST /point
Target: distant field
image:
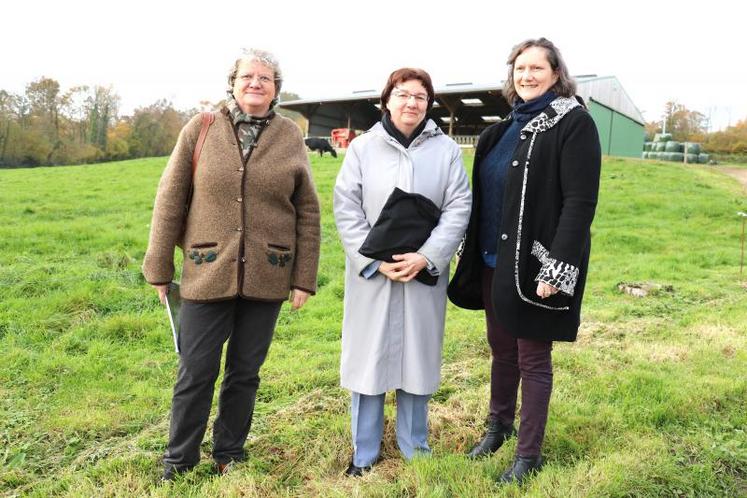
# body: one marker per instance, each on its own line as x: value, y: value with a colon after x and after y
x: 650, y: 401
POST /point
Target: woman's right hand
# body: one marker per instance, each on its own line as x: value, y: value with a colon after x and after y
x: 162, y: 291
x: 405, y: 268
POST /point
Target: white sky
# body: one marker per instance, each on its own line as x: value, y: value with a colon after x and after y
x: 659, y: 50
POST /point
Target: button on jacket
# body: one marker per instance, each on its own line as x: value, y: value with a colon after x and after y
x: 252, y: 229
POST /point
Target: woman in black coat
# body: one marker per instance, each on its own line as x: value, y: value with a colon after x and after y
x: 526, y: 251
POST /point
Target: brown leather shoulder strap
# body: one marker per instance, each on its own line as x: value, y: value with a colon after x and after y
x: 207, y: 120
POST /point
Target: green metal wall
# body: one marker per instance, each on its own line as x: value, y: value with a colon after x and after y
x: 619, y: 135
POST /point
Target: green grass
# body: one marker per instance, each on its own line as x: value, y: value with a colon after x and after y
x: 650, y: 401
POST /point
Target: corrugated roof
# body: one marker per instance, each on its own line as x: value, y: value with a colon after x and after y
x: 606, y: 90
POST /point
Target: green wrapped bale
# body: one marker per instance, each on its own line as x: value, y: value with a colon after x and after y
x: 647, y: 146
x: 662, y: 137
x: 692, y: 158
x: 677, y: 157
x: 660, y: 146
x: 693, y: 148
x: 703, y: 158
x: 673, y: 146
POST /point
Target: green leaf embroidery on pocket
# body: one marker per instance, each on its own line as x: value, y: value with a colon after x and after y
x: 280, y: 260
x: 200, y: 257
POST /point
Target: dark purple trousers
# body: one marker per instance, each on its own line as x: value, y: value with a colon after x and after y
x: 517, y: 360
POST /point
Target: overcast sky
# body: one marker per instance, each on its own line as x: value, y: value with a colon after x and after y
x: 182, y: 50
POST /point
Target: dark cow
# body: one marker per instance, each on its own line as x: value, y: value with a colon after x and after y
x: 320, y: 145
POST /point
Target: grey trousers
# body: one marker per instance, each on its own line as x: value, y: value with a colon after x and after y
x: 367, y: 424
x: 248, y: 326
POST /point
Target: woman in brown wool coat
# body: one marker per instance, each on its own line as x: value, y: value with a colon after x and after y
x: 250, y: 238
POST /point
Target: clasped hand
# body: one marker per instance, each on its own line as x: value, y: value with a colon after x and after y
x: 404, y: 268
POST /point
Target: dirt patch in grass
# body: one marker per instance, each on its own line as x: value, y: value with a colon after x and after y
x: 738, y: 173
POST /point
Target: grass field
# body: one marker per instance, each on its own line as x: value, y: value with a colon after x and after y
x: 650, y: 401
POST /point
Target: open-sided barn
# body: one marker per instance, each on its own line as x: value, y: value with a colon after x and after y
x: 463, y: 110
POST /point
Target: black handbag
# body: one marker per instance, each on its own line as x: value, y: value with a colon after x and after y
x: 405, y: 223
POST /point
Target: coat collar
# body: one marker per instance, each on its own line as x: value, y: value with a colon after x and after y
x: 430, y: 130
x: 552, y: 114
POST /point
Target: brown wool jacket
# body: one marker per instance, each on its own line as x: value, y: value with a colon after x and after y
x: 252, y: 230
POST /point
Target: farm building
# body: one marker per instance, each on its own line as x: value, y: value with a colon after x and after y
x: 463, y: 110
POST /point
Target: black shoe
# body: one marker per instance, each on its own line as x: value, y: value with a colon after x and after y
x: 495, y: 435
x: 522, y: 468
x: 171, y: 472
x: 355, y: 471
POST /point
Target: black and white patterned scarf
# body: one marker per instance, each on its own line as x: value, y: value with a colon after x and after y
x: 248, y: 127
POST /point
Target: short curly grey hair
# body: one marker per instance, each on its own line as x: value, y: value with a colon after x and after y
x: 263, y: 57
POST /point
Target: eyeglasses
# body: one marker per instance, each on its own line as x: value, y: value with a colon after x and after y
x: 420, y: 98
x: 263, y: 80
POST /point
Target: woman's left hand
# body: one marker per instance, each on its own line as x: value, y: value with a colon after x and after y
x: 298, y: 298
x: 545, y: 290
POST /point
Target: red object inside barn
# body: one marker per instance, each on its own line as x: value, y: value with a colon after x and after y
x: 341, y: 137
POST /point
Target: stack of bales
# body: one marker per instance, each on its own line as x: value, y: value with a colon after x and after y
x: 664, y: 148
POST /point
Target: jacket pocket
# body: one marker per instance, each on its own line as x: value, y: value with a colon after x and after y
x: 279, y: 255
x: 203, y: 245
x: 532, y: 269
x: 203, y: 252
x: 275, y: 247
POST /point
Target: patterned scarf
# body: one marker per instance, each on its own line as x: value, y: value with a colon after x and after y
x: 248, y: 128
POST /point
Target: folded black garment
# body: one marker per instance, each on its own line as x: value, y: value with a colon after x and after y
x: 405, y: 223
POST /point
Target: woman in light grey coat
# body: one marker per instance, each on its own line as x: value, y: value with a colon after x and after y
x: 393, y: 325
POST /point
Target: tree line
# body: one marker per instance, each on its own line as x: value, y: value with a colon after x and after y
x: 48, y: 126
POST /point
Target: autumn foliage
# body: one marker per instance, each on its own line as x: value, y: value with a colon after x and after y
x: 692, y: 126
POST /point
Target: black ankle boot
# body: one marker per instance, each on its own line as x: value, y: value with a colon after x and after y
x: 355, y: 471
x: 522, y: 468
x: 495, y: 435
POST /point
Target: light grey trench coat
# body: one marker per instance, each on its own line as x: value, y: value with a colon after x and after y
x: 392, y: 332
